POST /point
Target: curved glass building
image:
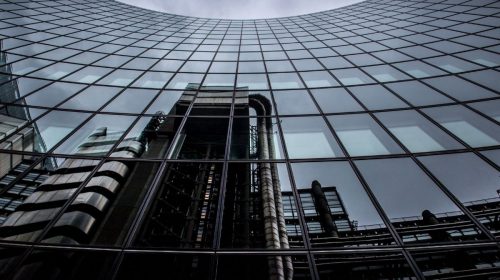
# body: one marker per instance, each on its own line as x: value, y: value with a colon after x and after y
x: 356, y: 143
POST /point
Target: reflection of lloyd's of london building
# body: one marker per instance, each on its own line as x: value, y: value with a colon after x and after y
x: 262, y: 214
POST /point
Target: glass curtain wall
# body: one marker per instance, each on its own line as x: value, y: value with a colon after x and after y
x: 356, y: 143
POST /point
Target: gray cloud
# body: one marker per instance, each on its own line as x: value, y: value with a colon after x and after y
x: 239, y: 9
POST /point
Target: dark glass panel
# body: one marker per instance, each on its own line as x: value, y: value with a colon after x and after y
x: 250, y: 188
x: 255, y: 138
x: 418, y: 209
x: 269, y: 267
x: 150, y: 137
x: 185, y: 207
x: 102, y: 212
x: 33, y: 194
x: 150, y: 266
x: 61, y: 265
x: 201, y: 138
x: 459, y: 263
x: 19, y: 178
x: 9, y: 258
x: 472, y: 181
x: 337, y: 210
x: 363, y: 266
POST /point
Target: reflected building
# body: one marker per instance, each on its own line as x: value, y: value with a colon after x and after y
x: 357, y: 143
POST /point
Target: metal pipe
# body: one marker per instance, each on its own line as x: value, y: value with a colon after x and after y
x: 271, y: 228
x: 283, y: 234
x: 323, y: 209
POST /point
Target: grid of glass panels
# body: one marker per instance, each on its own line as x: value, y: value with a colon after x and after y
x: 349, y: 143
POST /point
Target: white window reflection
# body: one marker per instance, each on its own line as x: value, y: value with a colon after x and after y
x: 309, y: 138
x: 467, y: 125
x: 362, y: 136
x: 416, y: 139
x: 417, y: 133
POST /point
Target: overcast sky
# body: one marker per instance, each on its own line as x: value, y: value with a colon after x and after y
x: 240, y: 9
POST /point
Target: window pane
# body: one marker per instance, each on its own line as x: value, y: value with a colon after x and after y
x: 468, y: 263
x: 318, y: 79
x: 9, y: 92
x: 461, y: 172
x: 417, y: 133
x: 120, y: 78
x: 251, y: 67
x: 419, y: 69
x: 335, y: 100
x: 103, y: 130
x: 407, y: 191
x: 467, y: 125
x: 153, y: 80
x: 279, y: 66
x: 45, y: 264
x: 149, y: 138
x: 169, y: 102
x: 179, y: 267
x: 362, y: 136
x: 385, y: 73
x: 410, y: 197
x: 56, y: 71
x: 184, y: 81
x: 248, y: 189
x: 252, y: 81
x: 195, y: 66
x: 490, y: 108
x: 309, y: 138
x: 185, y: 207
x: 363, y: 266
x: 459, y: 88
x: 201, y: 138
x: 219, y: 80
x: 91, y: 98
x: 285, y: 81
x: 108, y: 202
x: 493, y: 155
x: 294, y: 102
x: 377, y: 98
x: 54, y: 126
x: 338, y: 211
x: 352, y: 77
x: 53, y: 94
x: 294, y: 267
x: 122, y: 103
x: 250, y: 136
x: 418, y: 94
x: 223, y: 67
x: 88, y: 74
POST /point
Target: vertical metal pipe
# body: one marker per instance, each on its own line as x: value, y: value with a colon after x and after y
x: 271, y: 229
x: 323, y: 209
x: 283, y: 234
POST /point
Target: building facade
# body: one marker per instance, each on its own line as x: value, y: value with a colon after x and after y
x: 356, y: 143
